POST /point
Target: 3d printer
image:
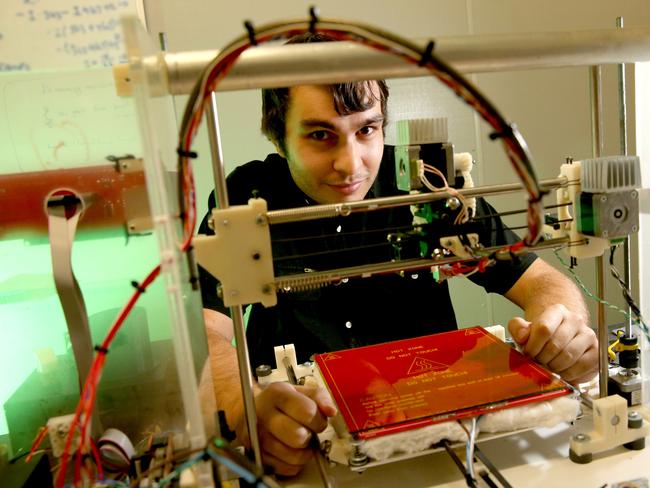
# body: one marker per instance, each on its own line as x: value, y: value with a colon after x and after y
x: 606, y: 209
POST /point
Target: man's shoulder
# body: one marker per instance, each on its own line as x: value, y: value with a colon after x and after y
x: 264, y: 179
x: 258, y: 169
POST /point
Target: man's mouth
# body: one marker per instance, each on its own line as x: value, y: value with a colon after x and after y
x: 347, y: 188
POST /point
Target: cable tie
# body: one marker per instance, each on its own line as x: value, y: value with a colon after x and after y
x: 508, y: 132
x: 63, y: 201
x: 187, y: 154
x: 426, y: 55
x: 138, y: 286
x: 538, y: 199
x: 101, y: 350
x: 251, y: 32
x: 313, y: 19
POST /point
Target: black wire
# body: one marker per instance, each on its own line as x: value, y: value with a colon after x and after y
x: 383, y: 230
x: 337, y: 251
x: 627, y: 296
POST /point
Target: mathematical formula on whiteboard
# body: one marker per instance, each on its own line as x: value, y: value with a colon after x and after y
x: 53, y: 34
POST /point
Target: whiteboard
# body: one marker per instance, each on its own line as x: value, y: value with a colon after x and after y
x: 63, y: 119
x: 52, y: 34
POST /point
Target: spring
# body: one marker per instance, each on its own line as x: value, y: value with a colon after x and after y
x: 300, y: 284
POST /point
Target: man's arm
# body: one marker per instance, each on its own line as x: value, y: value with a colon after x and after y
x: 286, y: 415
x: 555, y: 331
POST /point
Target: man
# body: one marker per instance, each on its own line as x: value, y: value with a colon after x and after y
x: 330, y: 143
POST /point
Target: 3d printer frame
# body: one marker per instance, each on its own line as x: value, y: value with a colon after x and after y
x: 298, y: 65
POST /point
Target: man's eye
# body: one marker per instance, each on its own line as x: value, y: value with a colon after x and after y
x: 367, y: 130
x: 320, y: 135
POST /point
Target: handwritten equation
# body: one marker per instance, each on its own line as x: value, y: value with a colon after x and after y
x: 49, y: 34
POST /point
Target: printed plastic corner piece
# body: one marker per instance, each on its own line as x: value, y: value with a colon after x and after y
x: 239, y: 254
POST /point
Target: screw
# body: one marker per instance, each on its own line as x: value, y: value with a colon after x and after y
x: 615, y: 420
x: 357, y: 458
x: 261, y: 219
x: 266, y: 289
x: 225, y: 222
x: 453, y: 203
x: 581, y: 437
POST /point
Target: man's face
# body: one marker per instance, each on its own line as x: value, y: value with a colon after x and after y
x: 332, y: 158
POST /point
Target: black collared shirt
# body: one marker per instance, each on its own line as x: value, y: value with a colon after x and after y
x: 358, y: 311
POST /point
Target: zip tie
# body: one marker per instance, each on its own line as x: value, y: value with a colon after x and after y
x: 508, y: 132
x: 187, y: 154
x: 426, y: 55
x: 313, y: 15
x: 138, y: 286
x: 251, y: 32
x: 101, y: 350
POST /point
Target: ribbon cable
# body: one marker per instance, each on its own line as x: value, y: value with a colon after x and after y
x: 62, y: 226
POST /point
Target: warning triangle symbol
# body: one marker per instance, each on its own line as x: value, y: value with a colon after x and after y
x: 472, y: 331
x: 330, y: 356
x: 370, y: 424
x: 421, y: 365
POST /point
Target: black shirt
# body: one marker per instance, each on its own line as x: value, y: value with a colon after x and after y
x: 359, y: 311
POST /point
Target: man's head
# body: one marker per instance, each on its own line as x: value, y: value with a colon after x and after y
x: 331, y: 135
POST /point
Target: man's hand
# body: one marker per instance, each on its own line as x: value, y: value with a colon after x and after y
x: 287, y: 418
x: 560, y: 340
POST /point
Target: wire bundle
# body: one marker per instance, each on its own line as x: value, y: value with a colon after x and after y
x: 84, y: 410
x: 427, y: 168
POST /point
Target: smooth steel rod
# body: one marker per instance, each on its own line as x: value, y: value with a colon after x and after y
x: 622, y: 118
x: 597, y: 149
x: 274, y: 66
x: 344, y: 209
x: 236, y: 312
x: 320, y: 278
x: 216, y: 153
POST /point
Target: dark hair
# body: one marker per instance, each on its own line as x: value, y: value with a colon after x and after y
x: 349, y: 97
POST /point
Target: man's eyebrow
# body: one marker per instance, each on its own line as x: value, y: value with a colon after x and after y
x: 324, y: 124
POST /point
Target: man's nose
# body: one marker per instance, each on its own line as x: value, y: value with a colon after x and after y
x: 348, y: 158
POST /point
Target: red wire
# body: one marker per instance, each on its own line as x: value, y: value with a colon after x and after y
x: 98, y: 459
x: 37, y: 442
x: 87, y: 400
